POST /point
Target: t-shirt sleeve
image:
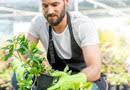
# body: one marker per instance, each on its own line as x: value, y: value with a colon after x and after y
x: 88, y: 34
x: 34, y: 27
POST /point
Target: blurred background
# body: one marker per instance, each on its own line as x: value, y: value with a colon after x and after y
x: 112, y: 18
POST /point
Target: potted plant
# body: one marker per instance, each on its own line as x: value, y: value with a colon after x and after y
x: 33, y: 66
x: 25, y: 70
x: 114, y: 55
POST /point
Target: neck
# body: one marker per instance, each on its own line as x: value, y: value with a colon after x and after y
x: 61, y: 26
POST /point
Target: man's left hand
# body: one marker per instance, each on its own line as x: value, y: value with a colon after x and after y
x: 67, y: 81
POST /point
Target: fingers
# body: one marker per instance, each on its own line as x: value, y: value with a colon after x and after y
x: 59, y: 74
x: 55, y: 87
x: 46, y: 63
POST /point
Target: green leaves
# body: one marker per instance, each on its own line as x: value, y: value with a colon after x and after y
x: 8, y: 50
x: 114, y: 51
x: 18, y: 47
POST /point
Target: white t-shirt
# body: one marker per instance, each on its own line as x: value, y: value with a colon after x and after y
x: 84, y: 31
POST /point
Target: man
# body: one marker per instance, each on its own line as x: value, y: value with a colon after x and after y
x: 68, y: 38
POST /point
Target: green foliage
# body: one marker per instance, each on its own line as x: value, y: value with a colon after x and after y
x: 113, y: 65
x: 5, y: 76
x: 114, y: 55
x: 17, y: 48
x: 25, y: 70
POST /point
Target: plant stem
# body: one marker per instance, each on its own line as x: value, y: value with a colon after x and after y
x: 19, y: 55
x: 34, y: 82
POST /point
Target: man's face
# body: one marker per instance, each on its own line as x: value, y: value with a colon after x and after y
x: 54, y: 11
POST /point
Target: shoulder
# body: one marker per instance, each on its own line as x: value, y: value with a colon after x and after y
x: 79, y: 18
x: 39, y: 20
x: 85, y: 31
x: 81, y: 22
x: 38, y: 24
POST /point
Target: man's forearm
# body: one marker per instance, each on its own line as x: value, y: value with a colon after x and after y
x: 92, y: 73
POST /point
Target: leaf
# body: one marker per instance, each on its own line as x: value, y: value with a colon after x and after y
x: 5, y: 48
x: 24, y: 70
x: 32, y: 46
x: 66, y: 68
x: 6, y: 57
x: 88, y: 86
x: 10, y: 41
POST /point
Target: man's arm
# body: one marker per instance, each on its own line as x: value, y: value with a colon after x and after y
x: 92, y: 58
x: 32, y: 39
x: 90, y: 73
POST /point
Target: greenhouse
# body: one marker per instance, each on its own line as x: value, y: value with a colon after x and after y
x: 63, y: 58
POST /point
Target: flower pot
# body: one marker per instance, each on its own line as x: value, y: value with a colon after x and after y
x: 44, y: 81
x: 2, y: 88
x: 112, y: 87
x: 116, y: 87
x: 126, y: 87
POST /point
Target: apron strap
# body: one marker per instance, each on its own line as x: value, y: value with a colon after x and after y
x: 51, y: 47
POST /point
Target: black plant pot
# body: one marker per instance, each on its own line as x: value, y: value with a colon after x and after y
x: 126, y: 87
x: 119, y: 87
x: 44, y: 81
x: 112, y: 87
x: 115, y: 87
x: 2, y: 88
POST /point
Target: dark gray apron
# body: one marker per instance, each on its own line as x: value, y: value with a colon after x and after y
x: 76, y: 63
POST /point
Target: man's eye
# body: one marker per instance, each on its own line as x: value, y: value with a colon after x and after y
x: 45, y: 6
x: 55, y: 4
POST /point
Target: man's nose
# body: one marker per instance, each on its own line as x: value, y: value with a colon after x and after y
x: 50, y: 10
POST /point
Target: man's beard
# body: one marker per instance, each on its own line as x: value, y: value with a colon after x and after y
x: 56, y: 21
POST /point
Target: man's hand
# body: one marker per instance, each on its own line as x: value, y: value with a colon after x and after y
x: 67, y: 82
